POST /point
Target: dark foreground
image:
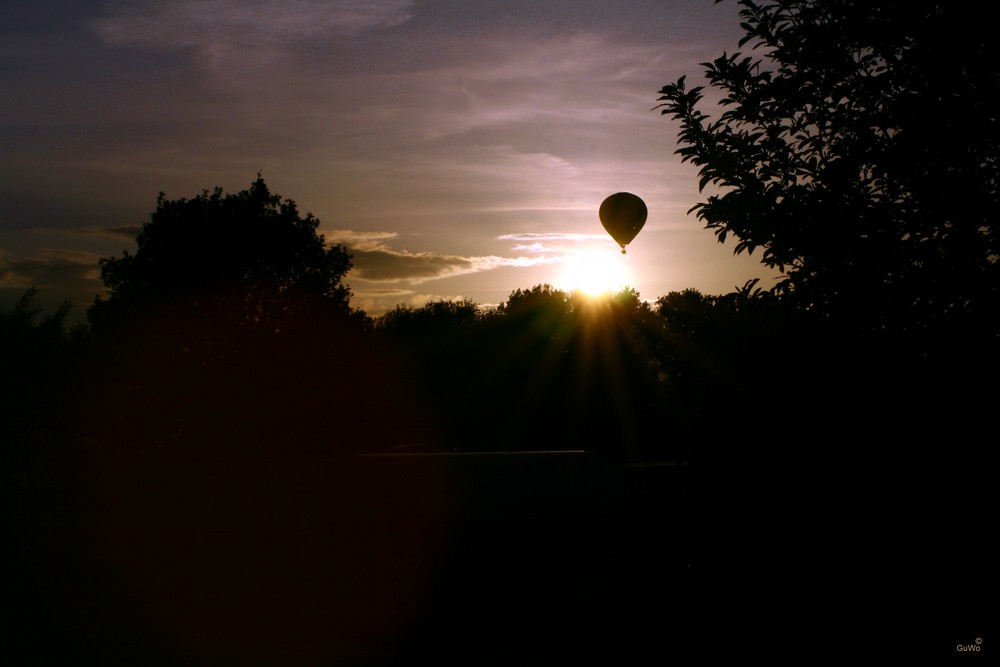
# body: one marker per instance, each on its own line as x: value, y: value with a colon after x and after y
x: 847, y: 556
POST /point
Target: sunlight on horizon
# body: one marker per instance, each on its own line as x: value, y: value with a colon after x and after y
x: 595, y: 272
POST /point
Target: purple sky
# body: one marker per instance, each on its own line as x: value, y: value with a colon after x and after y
x: 461, y: 148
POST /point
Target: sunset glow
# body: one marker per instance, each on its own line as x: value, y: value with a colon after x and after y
x: 595, y: 272
x: 474, y: 177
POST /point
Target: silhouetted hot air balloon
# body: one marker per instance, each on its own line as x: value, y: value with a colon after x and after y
x: 623, y: 214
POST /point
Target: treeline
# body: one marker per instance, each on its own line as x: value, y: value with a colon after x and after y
x: 229, y: 333
x: 683, y: 377
x: 547, y: 369
x: 189, y: 427
x: 807, y: 441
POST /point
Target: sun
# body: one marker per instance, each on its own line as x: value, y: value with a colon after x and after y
x: 594, y: 272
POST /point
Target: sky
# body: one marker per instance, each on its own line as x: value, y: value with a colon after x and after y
x: 458, y: 148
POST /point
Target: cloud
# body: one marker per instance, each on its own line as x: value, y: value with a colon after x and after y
x: 520, y: 125
x: 360, y: 240
x: 376, y: 262
x: 225, y: 33
x: 384, y: 292
x: 537, y: 237
x: 58, y: 274
x: 130, y: 232
x: 577, y: 79
x: 63, y: 271
x: 386, y: 265
x: 389, y: 265
x: 561, y: 244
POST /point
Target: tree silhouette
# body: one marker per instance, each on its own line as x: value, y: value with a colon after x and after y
x: 563, y: 370
x: 529, y: 302
x: 407, y: 324
x: 230, y: 330
x: 248, y: 258
x: 36, y: 353
x: 859, y: 154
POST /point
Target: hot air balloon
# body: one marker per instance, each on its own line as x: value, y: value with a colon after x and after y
x: 623, y: 214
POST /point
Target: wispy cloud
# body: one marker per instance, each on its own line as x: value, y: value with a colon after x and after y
x: 49, y: 269
x: 360, y: 240
x: 225, y: 33
x: 567, y: 80
x: 121, y: 231
x: 556, y: 244
x: 376, y: 262
x: 536, y: 237
x: 390, y: 265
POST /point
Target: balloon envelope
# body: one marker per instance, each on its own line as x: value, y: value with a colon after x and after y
x: 623, y: 214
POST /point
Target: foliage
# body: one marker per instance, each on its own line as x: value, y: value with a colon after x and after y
x: 404, y: 323
x: 858, y: 150
x: 248, y: 259
x: 562, y: 370
x: 230, y: 330
x: 539, y: 298
x: 19, y: 326
x: 686, y: 312
x: 32, y: 349
x: 33, y: 363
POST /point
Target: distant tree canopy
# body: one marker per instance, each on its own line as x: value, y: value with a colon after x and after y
x: 546, y: 369
x: 231, y: 327
x: 409, y: 323
x: 860, y: 152
x: 248, y: 258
